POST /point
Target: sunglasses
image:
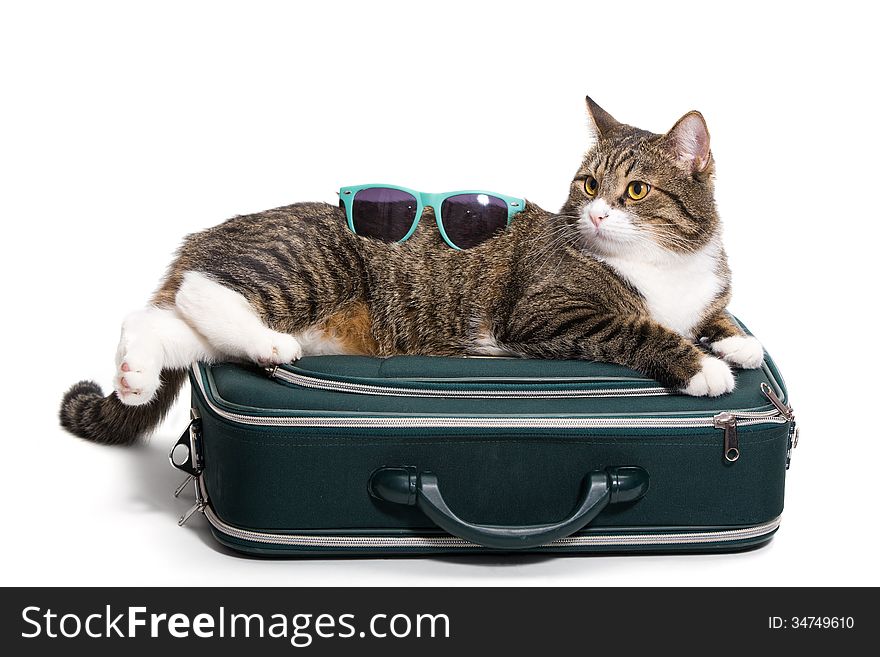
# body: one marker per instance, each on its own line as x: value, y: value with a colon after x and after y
x: 391, y: 213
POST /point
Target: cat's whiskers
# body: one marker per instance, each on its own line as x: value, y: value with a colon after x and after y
x: 558, y: 235
x: 664, y: 240
x: 553, y: 236
x: 570, y: 239
x: 646, y: 240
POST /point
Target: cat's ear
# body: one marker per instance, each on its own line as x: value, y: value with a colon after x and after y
x: 603, y: 122
x: 688, y: 142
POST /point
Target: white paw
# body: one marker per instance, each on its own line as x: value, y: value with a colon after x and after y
x: 713, y: 379
x: 742, y: 350
x: 274, y: 348
x: 137, y: 380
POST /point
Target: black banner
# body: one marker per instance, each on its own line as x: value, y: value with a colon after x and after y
x: 430, y: 621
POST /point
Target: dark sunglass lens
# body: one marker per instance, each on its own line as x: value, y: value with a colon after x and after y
x: 470, y: 219
x: 384, y: 213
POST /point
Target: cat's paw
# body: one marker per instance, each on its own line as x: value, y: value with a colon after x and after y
x: 742, y: 350
x: 713, y: 379
x: 136, y: 380
x: 274, y: 348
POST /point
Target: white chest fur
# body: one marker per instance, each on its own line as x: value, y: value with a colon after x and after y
x: 677, y: 290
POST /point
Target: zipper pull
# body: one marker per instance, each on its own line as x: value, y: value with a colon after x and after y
x: 180, y: 488
x: 197, y: 507
x: 793, y: 435
x: 787, y: 412
x: 785, y: 409
x: 727, y: 422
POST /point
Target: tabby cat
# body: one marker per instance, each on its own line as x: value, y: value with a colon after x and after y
x: 631, y: 271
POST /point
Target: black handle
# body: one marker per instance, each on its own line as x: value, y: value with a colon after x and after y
x: 406, y: 485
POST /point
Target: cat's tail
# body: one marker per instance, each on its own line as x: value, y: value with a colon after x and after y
x: 87, y: 413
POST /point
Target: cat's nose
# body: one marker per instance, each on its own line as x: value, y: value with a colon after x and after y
x: 597, y: 216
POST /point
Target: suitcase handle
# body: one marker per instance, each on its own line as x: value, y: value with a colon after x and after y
x: 407, y: 485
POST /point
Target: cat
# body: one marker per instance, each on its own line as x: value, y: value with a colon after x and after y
x: 631, y: 271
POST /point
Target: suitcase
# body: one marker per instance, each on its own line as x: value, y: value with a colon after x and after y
x: 349, y: 455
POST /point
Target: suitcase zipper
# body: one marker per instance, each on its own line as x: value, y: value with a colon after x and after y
x: 435, y: 542
x: 488, y: 422
x: 788, y: 413
x: 728, y: 422
x: 316, y: 383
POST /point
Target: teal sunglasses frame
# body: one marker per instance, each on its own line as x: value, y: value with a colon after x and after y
x: 424, y: 200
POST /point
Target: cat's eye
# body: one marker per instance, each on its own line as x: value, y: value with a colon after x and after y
x: 591, y: 186
x: 637, y: 190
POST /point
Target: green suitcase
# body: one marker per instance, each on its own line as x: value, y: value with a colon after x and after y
x: 348, y: 455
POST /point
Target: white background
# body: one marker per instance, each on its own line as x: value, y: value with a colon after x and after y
x: 125, y: 127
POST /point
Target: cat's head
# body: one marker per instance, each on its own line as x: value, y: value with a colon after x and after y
x: 641, y: 195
